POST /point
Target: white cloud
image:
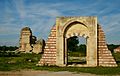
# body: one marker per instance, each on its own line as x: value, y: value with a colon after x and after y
x: 8, y: 30
x: 20, y: 8
x: 43, y: 17
x: 112, y: 23
x: 40, y: 17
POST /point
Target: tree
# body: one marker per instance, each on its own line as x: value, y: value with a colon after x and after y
x: 111, y: 47
x: 72, y: 43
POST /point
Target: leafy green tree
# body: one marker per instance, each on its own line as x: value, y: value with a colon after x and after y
x: 111, y: 47
x: 72, y: 43
x: 75, y: 48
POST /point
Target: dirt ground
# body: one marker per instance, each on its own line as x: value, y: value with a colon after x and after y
x: 43, y: 73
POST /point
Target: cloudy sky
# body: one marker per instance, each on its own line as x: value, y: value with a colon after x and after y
x: 40, y: 16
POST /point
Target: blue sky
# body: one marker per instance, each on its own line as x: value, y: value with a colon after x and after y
x: 40, y: 16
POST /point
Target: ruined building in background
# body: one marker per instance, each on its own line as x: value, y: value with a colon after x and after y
x: 117, y: 50
x: 28, y: 42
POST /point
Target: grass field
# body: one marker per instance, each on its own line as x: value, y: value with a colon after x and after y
x: 29, y: 61
x: 21, y: 61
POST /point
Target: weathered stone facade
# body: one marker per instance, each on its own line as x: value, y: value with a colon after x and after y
x: 25, y: 39
x: 28, y: 42
x: 37, y: 47
x: 55, y: 52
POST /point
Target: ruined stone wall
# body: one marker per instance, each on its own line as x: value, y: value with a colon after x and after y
x: 105, y: 57
x: 37, y: 47
x: 25, y: 38
x: 49, y: 56
x: 29, y: 43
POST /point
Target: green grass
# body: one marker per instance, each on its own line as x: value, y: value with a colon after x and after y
x: 29, y: 61
x: 117, y: 57
x: 22, y: 61
x: 76, y: 57
x: 77, y: 54
x: 92, y: 70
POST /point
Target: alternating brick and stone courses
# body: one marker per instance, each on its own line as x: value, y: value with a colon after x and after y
x: 55, y: 51
x: 49, y: 56
x: 105, y: 57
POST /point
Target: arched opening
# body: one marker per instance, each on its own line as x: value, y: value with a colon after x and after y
x: 76, y: 50
x: 79, y: 28
x: 75, y: 53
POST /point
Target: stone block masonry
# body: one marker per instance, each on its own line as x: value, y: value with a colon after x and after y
x: 29, y: 43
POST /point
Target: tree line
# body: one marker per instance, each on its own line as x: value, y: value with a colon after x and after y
x: 8, y: 48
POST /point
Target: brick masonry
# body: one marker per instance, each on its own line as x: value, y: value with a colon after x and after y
x: 105, y: 57
x: 49, y: 56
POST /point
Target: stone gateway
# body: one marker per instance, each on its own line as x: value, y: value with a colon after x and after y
x: 97, y: 53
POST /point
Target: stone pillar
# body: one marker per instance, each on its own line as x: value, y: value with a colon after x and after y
x: 25, y: 38
x: 66, y: 51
